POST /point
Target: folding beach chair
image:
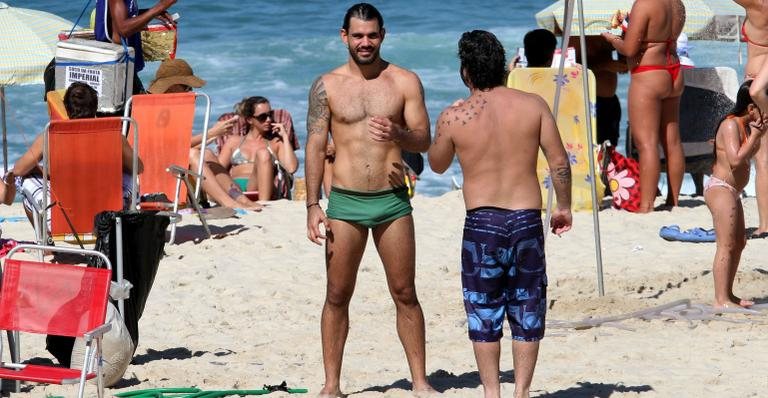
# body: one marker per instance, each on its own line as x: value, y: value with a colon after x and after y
x: 59, y: 299
x: 84, y: 156
x: 166, y: 122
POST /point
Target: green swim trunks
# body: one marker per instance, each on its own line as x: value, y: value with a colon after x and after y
x: 368, y: 209
x: 242, y: 182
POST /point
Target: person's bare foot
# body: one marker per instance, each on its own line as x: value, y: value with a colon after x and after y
x: 248, y: 204
x: 330, y: 393
x: 736, y: 305
x: 727, y: 304
x: 425, y: 392
x: 742, y: 302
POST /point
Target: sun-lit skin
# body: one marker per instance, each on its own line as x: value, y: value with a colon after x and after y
x: 374, y: 110
x: 654, y: 96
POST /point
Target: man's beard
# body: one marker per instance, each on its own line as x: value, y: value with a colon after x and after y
x: 364, y: 61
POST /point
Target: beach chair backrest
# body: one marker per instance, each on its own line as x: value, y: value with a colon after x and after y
x: 84, y: 161
x: 166, y: 122
x: 56, y: 109
x: 59, y: 299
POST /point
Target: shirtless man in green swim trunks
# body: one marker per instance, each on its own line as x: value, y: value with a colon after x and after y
x: 374, y: 109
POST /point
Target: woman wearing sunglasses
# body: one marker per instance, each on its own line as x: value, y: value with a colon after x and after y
x: 254, y: 159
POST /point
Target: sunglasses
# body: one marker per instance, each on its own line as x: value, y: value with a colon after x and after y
x: 262, y: 117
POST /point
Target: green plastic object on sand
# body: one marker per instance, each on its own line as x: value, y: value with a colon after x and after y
x: 193, y: 392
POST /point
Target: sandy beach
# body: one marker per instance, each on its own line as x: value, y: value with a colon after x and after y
x: 242, y: 310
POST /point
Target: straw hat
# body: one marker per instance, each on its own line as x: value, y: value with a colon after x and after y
x: 174, y: 71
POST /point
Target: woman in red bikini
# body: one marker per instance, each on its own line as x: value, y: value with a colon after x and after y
x: 654, y: 93
x: 754, y: 31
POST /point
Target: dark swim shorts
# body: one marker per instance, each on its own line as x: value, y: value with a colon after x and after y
x: 503, y: 271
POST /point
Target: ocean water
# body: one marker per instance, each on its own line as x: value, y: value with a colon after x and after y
x: 277, y: 49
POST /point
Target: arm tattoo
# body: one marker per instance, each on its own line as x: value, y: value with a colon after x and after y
x: 563, y: 174
x: 318, y: 111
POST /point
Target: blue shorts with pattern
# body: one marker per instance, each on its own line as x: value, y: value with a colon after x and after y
x: 504, y: 272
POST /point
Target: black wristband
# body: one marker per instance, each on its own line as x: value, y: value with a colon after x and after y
x: 312, y: 204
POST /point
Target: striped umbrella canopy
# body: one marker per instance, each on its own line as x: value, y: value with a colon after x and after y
x: 28, y: 43
x: 705, y: 19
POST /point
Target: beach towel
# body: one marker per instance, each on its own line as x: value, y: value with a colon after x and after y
x: 572, y: 124
x: 622, y: 175
x: 697, y: 235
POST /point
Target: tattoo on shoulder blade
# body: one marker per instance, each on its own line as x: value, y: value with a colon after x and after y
x: 318, y: 111
x: 463, y: 114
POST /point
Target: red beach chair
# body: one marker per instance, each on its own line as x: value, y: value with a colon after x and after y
x: 54, y: 298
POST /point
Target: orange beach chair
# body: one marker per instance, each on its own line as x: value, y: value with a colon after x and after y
x: 84, y: 158
x: 54, y: 298
x: 166, y: 122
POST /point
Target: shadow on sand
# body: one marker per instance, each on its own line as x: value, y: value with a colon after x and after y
x: 195, y: 232
x: 170, y: 353
x: 595, y: 390
x: 442, y: 381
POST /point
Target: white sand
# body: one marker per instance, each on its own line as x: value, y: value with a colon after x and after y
x: 243, y: 311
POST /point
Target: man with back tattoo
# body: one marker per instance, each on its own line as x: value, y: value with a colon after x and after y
x: 374, y: 110
x: 496, y: 134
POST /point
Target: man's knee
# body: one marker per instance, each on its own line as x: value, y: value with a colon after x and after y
x: 405, y: 295
x: 338, y: 296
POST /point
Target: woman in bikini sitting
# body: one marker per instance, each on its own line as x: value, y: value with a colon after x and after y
x: 251, y: 158
x: 737, y: 139
x: 754, y: 31
x: 654, y: 93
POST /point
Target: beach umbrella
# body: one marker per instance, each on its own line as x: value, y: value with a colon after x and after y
x: 597, y: 16
x: 704, y: 18
x: 28, y: 44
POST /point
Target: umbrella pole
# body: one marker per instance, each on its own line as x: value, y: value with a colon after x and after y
x: 591, y: 153
x: 5, y: 141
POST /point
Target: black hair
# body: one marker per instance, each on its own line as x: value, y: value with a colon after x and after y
x: 81, y: 101
x: 483, y: 62
x: 245, y: 107
x: 539, y: 46
x: 743, y: 100
x: 364, y: 12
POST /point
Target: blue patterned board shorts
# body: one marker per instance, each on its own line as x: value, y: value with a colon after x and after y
x: 504, y: 271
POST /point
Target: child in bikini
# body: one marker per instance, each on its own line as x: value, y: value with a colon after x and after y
x: 736, y: 141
